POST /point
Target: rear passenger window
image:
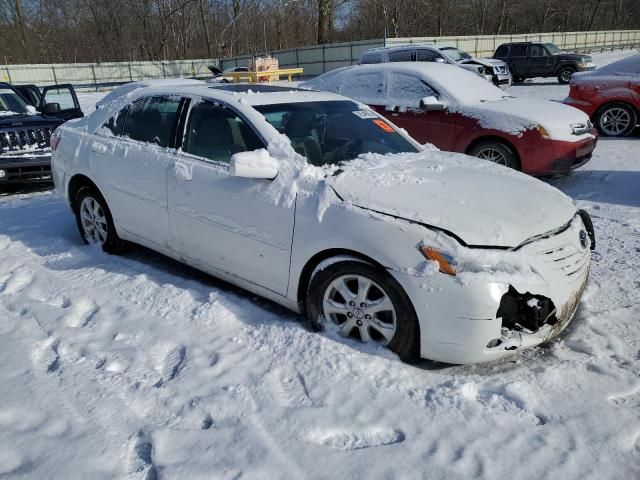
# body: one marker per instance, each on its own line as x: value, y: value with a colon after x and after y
x: 407, y: 90
x: 152, y: 120
x: 365, y: 87
x: 502, y: 51
x: 371, y: 58
x: 216, y: 132
x: 400, y: 56
x: 115, y: 123
x: 425, y: 55
x: 518, y: 51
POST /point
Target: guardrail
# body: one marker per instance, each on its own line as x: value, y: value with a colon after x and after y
x: 315, y: 60
x: 95, y: 75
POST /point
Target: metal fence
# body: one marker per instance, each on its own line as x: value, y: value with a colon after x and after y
x: 315, y: 59
x: 103, y: 74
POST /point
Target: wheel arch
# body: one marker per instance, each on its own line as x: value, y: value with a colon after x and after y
x: 77, y: 182
x: 315, y: 260
x: 494, y: 138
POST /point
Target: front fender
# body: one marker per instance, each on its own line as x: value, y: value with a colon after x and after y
x: 390, y: 242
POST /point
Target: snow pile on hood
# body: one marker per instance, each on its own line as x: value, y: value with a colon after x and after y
x: 517, y: 115
x: 480, y: 202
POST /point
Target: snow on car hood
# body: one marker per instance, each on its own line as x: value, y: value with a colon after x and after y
x: 489, y: 62
x: 482, y: 203
x: 516, y: 115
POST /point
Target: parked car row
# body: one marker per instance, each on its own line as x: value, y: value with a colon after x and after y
x: 325, y: 206
x: 324, y: 199
x: 458, y: 111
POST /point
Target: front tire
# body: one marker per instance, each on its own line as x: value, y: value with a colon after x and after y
x: 364, y: 302
x: 496, y: 152
x: 94, y: 220
x: 565, y: 74
x: 616, y: 119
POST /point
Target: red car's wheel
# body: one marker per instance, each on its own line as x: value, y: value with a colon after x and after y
x: 616, y: 119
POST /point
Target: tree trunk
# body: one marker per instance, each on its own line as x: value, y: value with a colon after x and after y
x: 325, y: 20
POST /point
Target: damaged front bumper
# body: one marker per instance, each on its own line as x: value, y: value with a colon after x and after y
x: 487, y: 316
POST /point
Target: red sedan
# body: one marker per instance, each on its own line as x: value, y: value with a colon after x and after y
x: 609, y: 95
x: 457, y: 111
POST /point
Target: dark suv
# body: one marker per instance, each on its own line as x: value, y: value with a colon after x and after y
x: 528, y: 60
x: 28, y: 117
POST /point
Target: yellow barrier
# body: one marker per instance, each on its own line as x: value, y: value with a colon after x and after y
x: 261, y: 76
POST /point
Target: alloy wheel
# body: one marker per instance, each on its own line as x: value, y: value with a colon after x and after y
x: 614, y: 121
x: 493, y: 155
x: 360, y: 308
x: 94, y: 221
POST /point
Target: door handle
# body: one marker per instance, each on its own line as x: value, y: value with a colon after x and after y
x: 99, y: 147
x: 182, y: 172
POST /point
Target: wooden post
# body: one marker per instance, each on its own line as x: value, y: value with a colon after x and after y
x: 95, y: 80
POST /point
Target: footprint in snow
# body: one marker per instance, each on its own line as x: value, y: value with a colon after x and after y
x: 291, y: 389
x: 350, y: 440
x: 17, y: 282
x: 140, y: 458
x: 629, y: 399
x: 45, y: 355
x: 172, y: 365
x: 82, y: 312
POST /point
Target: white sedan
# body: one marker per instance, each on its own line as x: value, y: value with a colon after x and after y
x: 316, y: 202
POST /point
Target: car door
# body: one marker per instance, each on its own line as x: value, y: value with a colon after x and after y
x: 130, y: 157
x: 540, y: 62
x: 226, y: 222
x: 29, y: 93
x: 65, y: 97
x: 405, y: 93
x: 518, y: 60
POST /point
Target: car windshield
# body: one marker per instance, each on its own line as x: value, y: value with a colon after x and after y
x: 456, y: 54
x: 11, y: 103
x: 335, y: 131
x: 553, y: 48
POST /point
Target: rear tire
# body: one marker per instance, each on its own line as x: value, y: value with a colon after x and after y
x: 565, y: 74
x: 616, y: 119
x: 364, y: 302
x: 94, y: 220
x: 497, y: 152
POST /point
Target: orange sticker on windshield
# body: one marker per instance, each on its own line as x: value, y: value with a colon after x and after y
x: 383, y: 125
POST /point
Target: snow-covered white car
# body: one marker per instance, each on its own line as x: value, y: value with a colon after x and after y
x: 319, y: 204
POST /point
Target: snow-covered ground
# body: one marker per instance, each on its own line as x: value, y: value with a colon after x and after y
x: 135, y: 366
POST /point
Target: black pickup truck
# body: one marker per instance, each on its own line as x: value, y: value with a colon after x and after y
x: 529, y: 59
x: 28, y: 117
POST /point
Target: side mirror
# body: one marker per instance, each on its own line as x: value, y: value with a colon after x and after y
x: 253, y: 164
x: 440, y: 60
x: 51, y: 108
x: 431, y: 104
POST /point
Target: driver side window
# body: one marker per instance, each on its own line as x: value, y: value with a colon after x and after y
x: 536, y: 51
x: 364, y: 87
x: 216, y: 132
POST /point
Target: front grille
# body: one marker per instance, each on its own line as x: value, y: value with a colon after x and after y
x: 501, y: 69
x: 27, y: 139
x: 567, y: 260
x: 27, y: 174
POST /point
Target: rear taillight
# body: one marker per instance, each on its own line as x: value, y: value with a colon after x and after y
x: 55, y: 140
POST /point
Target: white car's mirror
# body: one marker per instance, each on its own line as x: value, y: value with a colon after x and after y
x: 431, y: 103
x: 254, y: 164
